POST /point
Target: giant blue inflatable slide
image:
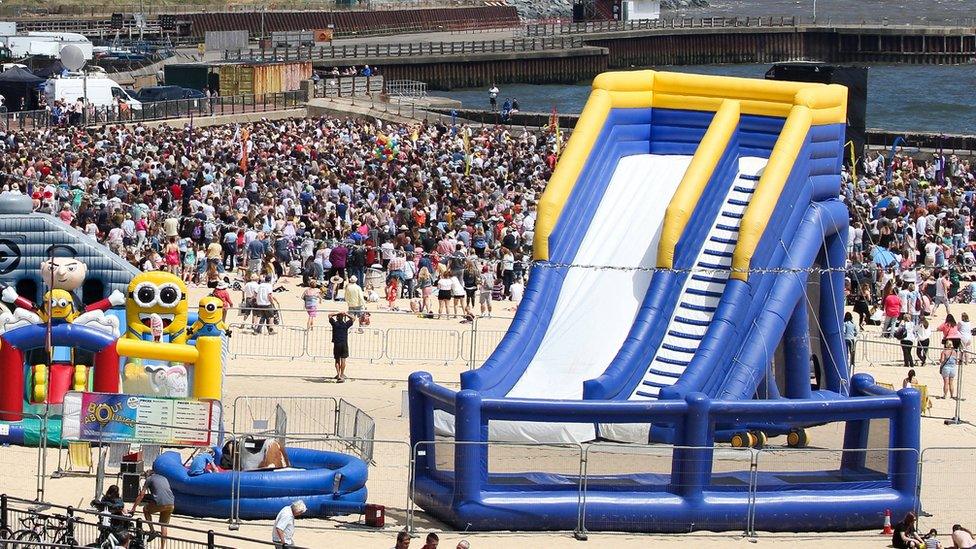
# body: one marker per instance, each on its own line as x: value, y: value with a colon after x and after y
x: 714, y: 203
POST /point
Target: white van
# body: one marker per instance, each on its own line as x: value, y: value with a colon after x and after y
x: 101, y: 91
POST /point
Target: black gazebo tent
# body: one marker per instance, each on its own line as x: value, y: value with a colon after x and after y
x: 19, y: 89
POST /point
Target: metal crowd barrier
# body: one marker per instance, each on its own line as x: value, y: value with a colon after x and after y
x: 294, y: 341
x: 158, y: 110
x: 592, y: 470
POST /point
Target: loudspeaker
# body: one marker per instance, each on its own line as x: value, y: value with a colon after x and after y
x: 167, y: 22
x: 856, y: 80
x: 579, y: 12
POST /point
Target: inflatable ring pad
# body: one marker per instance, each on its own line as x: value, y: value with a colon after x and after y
x: 263, y: 493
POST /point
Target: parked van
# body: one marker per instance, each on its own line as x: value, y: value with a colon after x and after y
x: 101, y: 91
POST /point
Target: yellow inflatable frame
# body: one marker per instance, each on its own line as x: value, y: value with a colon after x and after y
x: 802, y: 105
x: 205, y: 358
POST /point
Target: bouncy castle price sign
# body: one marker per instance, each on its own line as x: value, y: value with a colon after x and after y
x: 103, y: 417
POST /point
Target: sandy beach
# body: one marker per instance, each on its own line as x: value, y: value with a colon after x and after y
x: 377, y: 386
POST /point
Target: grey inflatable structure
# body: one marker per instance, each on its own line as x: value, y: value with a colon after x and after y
x: 26, y: 238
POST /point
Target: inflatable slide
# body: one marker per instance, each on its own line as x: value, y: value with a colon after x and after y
x: 687, y: 285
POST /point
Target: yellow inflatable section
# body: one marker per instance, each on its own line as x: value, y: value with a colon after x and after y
x: 726, y: 96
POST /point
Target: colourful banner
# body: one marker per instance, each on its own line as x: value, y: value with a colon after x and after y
x: 108, y: 418
x: 103, y: 417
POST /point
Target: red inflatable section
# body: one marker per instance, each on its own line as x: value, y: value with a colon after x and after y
x: 11, y: 382
x: 106, y: 370
x: 60, y: 380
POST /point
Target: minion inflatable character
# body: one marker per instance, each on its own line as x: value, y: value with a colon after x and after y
x: 58, y: 306
x: 159, y: 293
x: 210, y: 318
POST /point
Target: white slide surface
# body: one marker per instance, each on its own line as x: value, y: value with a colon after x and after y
x: 596, y: 307
x: 698, y: 300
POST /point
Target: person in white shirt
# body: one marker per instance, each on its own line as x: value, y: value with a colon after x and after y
x: 962, y: 538
x: 283, y: 533
x: 516, y: 290
x: 264, y: 305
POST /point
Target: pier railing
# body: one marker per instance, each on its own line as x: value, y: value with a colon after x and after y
x: 373, y: 51
x: 590, y: 27
x: 557, y: 28
x: 158, y: 110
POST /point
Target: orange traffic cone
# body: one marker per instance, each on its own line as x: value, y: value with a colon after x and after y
x: 887, y: 531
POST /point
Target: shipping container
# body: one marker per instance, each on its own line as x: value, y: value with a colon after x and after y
x: 246, y: 79
x: 187, y: 75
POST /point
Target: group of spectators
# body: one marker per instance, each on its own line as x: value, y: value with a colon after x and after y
x: 910, y: 254
x: 439, y: 213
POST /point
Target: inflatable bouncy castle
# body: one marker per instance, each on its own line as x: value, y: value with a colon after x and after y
x: 713, y: 201
x: 79, y: 318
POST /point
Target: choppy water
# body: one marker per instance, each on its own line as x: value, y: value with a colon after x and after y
x: 932, y: 98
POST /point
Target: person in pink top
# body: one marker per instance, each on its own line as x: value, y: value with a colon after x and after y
x: 950, y: 332
x: 892, y: 309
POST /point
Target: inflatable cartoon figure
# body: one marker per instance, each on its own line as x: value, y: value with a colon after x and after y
x: 159, y: 293
x: 63, y: 274
x: 168, y: 381
x: 156, y: 310
x: 210, y: 315
x: 62, y: 271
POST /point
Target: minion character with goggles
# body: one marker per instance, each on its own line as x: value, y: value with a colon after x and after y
x: 156, y: 293
x: 59, y: 306
x: 210, y: 318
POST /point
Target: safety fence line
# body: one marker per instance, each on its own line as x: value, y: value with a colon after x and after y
x: 41, y: 524
x: 291, y: 418
x: 159, y: 110
x: 590, y: 467
x: 874, y: 352
x: 392, y: 344
x: 942, y: 473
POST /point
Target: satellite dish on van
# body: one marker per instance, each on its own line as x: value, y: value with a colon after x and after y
x: 72, y: 57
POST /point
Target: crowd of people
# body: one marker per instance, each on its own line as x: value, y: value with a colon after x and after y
x: 910, y: 255
x: 440, y: 215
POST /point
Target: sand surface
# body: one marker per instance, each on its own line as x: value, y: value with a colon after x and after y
x: 377, y: 385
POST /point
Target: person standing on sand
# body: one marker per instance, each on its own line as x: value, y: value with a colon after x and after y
x: 311, y: 296
x: 340, y: 322
x: 282, y: 535
x: 355, y: 300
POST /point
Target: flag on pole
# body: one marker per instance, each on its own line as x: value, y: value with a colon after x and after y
x: 245, y: 135
x: 466, y: 137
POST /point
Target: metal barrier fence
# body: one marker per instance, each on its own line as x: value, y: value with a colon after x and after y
x: 590, y: 27
x: 348, y: 86
x: 356, y: 425
x: 891, y: 352
x: 945, y: 488
x: 406, y: 88
x: 49, y: 525
x: 300, y: 417
x: 691, y: 23
x: 388, y: 474
x: 437, y: 344
x: 409, y: 49
x: 160, y: 110
x: 387, y: 480
x: 307, y: 415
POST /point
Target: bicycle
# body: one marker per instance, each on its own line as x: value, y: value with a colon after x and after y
x: 58, y: 529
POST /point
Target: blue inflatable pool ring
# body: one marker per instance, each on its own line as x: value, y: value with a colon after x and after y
x: 312, y: 479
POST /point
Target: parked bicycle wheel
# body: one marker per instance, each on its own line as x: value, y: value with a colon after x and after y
x: 30, y: 536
